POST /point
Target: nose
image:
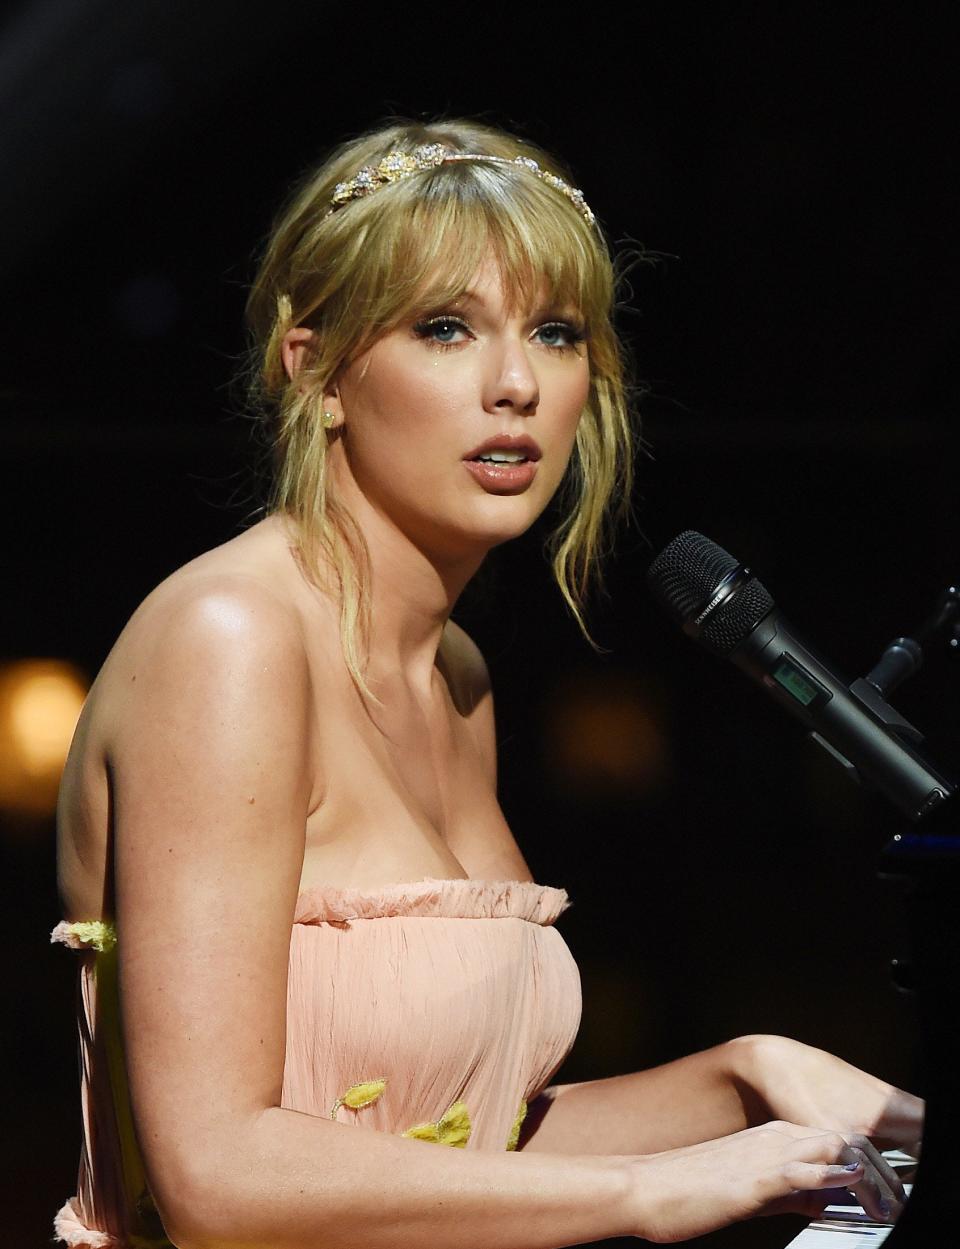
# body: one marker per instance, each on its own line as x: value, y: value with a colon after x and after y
x: 512, y: 384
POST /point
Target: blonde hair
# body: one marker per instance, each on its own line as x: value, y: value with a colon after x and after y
x: 353, y: 275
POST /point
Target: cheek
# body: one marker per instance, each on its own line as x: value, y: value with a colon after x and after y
x: 413, y: 397
x: 571, y: 398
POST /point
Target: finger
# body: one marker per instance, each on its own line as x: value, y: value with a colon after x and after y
x: 832, y: 1161
x: 867, y: 1189
x: 870, y: 1196
x: 890, y: 1183
x: 805, y: 1176
x: 887, y: 1174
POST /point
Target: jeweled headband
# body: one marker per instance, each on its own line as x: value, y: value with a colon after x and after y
x: 398, y: 165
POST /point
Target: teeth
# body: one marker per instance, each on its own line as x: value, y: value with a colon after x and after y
x: 503, y: 457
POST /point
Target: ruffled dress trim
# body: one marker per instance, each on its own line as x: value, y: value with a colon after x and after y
x: 428, y: 898
x: 68, y: 1228
x: 432, y: 898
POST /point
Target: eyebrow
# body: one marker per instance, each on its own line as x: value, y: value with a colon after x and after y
x: 549, y: 308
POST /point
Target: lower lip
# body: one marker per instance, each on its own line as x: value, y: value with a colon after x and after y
x: 503, y: 478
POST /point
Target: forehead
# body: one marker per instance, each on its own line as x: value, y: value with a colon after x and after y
x: 495, y: 286
x: 491, y: 287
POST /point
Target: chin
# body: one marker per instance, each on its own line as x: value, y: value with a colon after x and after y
x: 482, y: 538
x: 510, y: 516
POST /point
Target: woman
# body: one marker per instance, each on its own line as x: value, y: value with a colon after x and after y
x: 280, y: 846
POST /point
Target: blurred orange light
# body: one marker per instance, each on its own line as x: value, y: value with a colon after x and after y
x: 604, y: 734
x: 40, y: 703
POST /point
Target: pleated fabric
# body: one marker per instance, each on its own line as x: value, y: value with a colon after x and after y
x: 436, y: 1009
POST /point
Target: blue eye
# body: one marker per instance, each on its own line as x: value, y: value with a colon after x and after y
x: 443, y: 331
x: 440, y: 330
x: 559, y: 335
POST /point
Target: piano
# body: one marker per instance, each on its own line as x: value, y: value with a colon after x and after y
x: 926, y: 868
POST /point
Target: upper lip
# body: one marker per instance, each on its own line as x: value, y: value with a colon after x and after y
x: 507, y: 442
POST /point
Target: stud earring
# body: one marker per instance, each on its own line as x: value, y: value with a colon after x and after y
x: 328, y: 419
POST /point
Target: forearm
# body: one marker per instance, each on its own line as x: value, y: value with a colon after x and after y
x: 292, y: 1181
x: 698, y: 1098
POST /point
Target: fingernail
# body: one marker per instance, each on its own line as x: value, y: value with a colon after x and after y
x: 852, y: 1166
x: 885, y: 1209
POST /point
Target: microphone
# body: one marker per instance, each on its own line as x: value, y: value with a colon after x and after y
x: 721, y: 604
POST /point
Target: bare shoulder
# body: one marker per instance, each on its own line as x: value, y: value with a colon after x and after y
x: 221, y: 612
x: 212, y: 665
x: 206, y: 714
x: 208, y: 625
x: 210, y: 673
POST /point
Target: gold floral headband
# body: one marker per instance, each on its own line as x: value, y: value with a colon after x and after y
x: 398, y: 165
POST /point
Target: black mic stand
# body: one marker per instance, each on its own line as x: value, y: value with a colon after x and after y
x: 925, y: 863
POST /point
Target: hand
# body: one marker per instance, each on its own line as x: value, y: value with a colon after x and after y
x: 774, y: 1169
x: 802, y: 1084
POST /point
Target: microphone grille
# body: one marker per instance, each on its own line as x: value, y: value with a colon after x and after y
x: 686, y: 572
x: 730, y: 624
x: 684, y: 578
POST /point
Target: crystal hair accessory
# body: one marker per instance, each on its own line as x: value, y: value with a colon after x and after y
x: 398, y: 165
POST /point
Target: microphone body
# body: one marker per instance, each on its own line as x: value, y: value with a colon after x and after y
x: 723, y: 606
x: 852, y: 722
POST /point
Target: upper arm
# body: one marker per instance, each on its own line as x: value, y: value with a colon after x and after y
x: 210, y: 777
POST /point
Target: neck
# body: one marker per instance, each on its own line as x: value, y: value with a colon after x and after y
x: 412, y: 596
x: 413, y: 589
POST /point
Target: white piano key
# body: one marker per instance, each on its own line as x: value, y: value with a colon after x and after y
x: 840, y: 1236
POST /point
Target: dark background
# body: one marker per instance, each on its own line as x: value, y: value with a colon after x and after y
x: 790, y: 166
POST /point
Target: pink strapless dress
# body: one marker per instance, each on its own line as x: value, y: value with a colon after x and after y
x: 436, y: 1009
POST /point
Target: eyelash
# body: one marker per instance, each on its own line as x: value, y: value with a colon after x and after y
x: 575, y: 333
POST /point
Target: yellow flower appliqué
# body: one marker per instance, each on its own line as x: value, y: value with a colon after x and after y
x: 101, y: 934
x: 517, y: 1125
x: 359, y: 1095
x: 452, y: 1129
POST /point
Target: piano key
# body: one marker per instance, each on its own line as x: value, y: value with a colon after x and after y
x: 841, y: 1236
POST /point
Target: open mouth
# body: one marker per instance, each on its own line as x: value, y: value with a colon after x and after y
x: 505, y: 448
x: 500, y: 476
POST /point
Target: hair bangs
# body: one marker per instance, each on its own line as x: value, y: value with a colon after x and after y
x: 445, y: 229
